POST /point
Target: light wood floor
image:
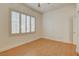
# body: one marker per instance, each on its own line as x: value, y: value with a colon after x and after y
x: 42, y: 47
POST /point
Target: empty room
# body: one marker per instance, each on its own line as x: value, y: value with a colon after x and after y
x: 39, y: 29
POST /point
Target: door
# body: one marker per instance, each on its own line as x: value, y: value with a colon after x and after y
x: 75, y: 30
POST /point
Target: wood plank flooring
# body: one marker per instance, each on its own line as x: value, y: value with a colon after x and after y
x: 42, y: 47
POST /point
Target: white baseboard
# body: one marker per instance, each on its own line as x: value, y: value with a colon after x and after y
x: 13, y: 46
x: 57, y: 40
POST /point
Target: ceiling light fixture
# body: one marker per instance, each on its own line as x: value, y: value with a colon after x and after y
x: 39, y: 4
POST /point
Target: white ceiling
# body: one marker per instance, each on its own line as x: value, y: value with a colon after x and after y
x: 44, y: 7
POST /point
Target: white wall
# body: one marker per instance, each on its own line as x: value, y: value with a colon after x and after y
x: 57, y: 24
x: 6, y: 40
x: 77, y: 26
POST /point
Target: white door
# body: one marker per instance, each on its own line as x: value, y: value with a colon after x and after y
x: 75, y: 30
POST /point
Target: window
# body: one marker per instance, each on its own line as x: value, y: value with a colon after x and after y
x: 15, y: 22
x: 28, y: 23
x: 22, y: 23
x: 32, y: 24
